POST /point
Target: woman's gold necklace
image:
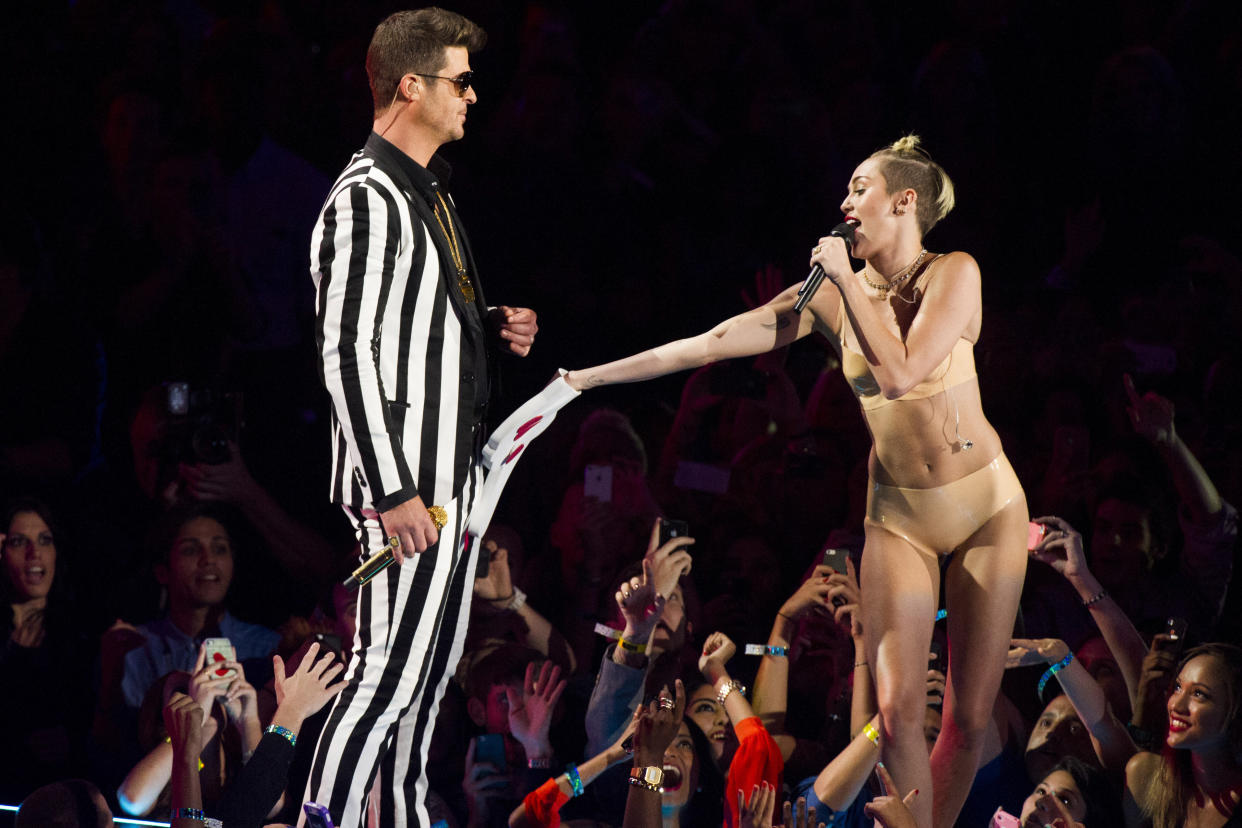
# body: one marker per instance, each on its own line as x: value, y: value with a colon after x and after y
x: 884, y: 287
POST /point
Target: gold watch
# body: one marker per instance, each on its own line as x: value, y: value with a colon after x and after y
x: 650, y: 777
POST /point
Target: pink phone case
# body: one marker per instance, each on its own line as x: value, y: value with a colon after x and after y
x: 1034, y: 534
x: 1001, y: 819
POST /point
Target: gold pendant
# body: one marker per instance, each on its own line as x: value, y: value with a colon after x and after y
x: 463, y: 284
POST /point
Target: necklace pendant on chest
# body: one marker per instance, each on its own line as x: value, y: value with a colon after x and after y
x: 463, y: 284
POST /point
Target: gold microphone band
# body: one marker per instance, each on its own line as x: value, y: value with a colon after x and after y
x: 438, y: 516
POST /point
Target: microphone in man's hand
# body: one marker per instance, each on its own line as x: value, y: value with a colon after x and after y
x: 373, y: 566
x: 844, y: 230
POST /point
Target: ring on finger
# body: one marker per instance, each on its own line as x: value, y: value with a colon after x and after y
x: 666, y: 703
x: 818, y: 248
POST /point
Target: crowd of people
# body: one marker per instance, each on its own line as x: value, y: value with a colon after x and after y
x: 164, y: 452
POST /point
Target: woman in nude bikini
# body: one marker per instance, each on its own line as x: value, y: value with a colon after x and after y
x: 940, y: 484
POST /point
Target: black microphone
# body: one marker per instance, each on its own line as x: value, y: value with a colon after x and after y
x: 844, y: 230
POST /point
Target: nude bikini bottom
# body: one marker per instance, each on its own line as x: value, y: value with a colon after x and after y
x: 940, y: 520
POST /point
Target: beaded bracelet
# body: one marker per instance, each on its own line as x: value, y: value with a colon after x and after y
x: 575, y: 781
x: 195, y: 813
x: 283, y: 731
x: 766, y: 650
x: 871, y: 733
x: 1052, y: 670
x: 630, y: 646
x: 638, y: 782
x: 727, y: 688
x: 1095, y: 599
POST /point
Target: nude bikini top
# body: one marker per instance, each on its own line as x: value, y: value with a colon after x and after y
x: 956, y: 368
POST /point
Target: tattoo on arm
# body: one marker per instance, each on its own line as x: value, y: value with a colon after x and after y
x: 781, y: 323
x: 594, y: 381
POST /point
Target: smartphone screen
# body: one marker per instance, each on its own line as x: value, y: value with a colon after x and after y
x: 597, y: 483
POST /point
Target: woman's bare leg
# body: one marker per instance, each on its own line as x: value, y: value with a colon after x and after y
x: 900, y: 586
x: 982, y: 586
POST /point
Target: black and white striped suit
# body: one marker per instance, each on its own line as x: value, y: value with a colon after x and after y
x: 403, y: 355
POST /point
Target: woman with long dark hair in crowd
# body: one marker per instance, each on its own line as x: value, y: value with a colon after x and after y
x: 905, y: 326
x: 45, y: 659
x: 1197, y: 779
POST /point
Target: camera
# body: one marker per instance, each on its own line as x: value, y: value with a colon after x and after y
x: 199, y: 424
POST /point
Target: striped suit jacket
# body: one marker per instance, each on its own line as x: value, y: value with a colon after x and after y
x: 402, y: 352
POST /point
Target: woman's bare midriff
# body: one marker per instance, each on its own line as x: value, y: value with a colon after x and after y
x: 917, y: 441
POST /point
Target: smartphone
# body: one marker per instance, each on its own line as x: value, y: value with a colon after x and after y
x: 1034, y: 534
x: 597, y: 483
x: 670, y: 529
x: 490, y: 748
x: 329, y: 643
x: 220, y: 649
x: 836, y: 559
x: 1003, y: 819
x: 1175, y: 628
x: 317, y: 816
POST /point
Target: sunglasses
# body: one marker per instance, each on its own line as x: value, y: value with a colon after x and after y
x: 462, y: 81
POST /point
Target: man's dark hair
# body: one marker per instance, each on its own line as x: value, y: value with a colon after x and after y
x: 168, y: 525
x: 1103, y: 804
x: 503, y: 665
x: 414, y: 42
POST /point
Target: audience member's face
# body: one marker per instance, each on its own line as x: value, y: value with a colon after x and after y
x: 670, y: 631
x: 29, y: 556
x: 496, y: 707
x: 1120, y: 543
x: 681, y: 773
x: 1058, y: 733
x: 1098, y: 660
x: 1198, y: 705
x: 1061, y: 785
x: 711, y: 717
x: 200, y: 564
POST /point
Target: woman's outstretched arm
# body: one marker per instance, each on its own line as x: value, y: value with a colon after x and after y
x: 755, y: 332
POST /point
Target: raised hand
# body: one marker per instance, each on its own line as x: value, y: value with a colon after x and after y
x: 183, y: 720
x: 640, y: 603
x: 206, y: 684
x: 656, y: 725
x: 530, y: 714
x: 301, y: 693
x: 891, y: 810
x: 240, y: 701
x: 757, y: 813
x: 796, y: 814
x: 1024, y: 651
x: 811, y: 594
x: 1061, y: 548
x: 668, y: 561
x: 1151, y: 415
x: 717, y: 650
x: 498, y: 583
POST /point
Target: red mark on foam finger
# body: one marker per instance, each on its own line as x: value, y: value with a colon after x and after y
x: 514, y: 453
x: 527, y: 426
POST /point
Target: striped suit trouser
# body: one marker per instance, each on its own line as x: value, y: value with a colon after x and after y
x: 411, y: 630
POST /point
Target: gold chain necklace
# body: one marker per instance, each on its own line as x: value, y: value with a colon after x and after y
x: 450, y: 234
x: 884, y: 287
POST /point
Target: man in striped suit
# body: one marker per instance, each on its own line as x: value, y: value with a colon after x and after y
x: 404, y: 338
